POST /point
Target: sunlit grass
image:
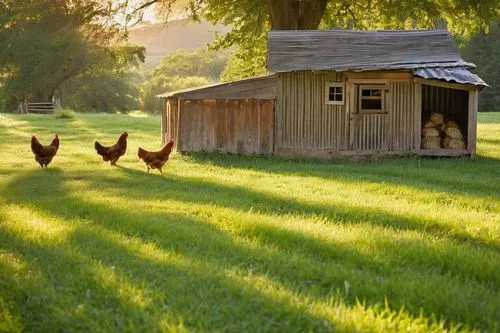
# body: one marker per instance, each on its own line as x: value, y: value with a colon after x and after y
x: 232, y: 243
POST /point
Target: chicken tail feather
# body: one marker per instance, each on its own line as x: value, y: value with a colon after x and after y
x: 101, y: 150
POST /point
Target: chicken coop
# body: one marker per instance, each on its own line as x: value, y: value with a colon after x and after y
x: 337, y: 93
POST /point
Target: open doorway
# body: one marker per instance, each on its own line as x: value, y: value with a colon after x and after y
x: 444, y: 117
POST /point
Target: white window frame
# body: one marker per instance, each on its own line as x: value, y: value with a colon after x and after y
x: 330, y: 84
x: 380, y: 87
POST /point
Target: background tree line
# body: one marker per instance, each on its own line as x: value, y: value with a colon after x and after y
x: 78, y: 51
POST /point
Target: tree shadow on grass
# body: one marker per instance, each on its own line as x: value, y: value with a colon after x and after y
x: 490, y: 141
x: 196, y: 290
x: 198, y: 295
x: 197, y: 190
x: 449, y: 176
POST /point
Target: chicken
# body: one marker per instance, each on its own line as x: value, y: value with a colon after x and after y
x: 114, y: 152
x: 44, y: 154
x: 155, y: 159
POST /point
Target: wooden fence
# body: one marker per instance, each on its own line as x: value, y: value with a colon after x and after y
x: 38, y: 107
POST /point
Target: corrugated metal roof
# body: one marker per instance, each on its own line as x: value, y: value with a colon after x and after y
x: 296, y: 50
x: 263, y: 87
x: 460, y: 75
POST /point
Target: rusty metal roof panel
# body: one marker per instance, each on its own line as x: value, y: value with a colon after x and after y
x: 341, y: 50
x: 455, y: 74
x: 262, y: 87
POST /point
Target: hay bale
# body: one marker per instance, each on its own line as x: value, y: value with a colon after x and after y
x: 455, y: 144
x: 430, y: 132
x: 452, y: 124
x: 454, y: 133
x: 429, y: 124
x: 431, y: 143
x: 437, y: 118
x: 445, y: 142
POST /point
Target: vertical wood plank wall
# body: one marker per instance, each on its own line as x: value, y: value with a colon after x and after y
x: 233, y: 126
x: 303, y: 120
x: 370, y: 132
x: 401, y: 116
x: 169, y: 120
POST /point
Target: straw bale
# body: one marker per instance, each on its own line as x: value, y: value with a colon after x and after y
x: 452, y: 124
x: 429, y: 124
x: 430, y: 132
x: 437, y: 118
x: 453, y: 143
x: 445, y: 142
x: 431, y: 143
x: 454, y: 133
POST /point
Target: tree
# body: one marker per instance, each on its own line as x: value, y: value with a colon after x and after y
x: 154, y: 86
x: 47, y: 42
x: 296, y: 14
x: 177, y: 70
x: 251, y: 19
x: 110, y: 82
x: 483, y: 49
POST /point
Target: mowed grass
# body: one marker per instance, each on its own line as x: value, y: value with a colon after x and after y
x: 222, y: 243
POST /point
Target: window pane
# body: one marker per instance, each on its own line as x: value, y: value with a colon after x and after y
x: 371, y: 92
x: 371, y: 104
x: 335, y: 94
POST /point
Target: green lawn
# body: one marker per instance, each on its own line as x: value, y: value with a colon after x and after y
x: 225, y: 243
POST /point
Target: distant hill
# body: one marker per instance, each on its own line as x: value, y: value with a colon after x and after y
x: 181, y: 34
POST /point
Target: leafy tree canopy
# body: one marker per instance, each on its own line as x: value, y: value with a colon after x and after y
x: 108, y: 83
x: 483, y: 49
x: 180, y: 69
x: 47, y: 42
x: 251, y: 19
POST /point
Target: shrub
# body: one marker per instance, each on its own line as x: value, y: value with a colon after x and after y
x: 64, y: 113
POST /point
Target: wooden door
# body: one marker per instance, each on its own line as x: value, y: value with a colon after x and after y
x: 368, y: 117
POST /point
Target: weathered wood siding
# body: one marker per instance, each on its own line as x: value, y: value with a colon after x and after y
x: 304, y: 120
x: 169, y: 121
x: 233, y: 126
x: 370, y: 132
x: 391, y: 130
x: 401, y: 116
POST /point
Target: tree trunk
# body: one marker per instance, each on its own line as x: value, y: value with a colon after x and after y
x: 296, y: 14
x: 45, y: 95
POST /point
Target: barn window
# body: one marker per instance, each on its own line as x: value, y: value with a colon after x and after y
x: 371, y: 98
x: 334, y: 93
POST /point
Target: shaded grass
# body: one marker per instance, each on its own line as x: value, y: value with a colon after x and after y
x: 231, y: 243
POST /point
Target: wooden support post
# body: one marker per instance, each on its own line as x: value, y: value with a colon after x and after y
x: 472, y: 120
x: 277, y: 114
x: 417, y: 110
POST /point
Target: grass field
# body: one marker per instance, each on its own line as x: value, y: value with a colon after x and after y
x: 225, y: 243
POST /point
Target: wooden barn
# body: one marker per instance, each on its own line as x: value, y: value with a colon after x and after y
x: 337, y: 92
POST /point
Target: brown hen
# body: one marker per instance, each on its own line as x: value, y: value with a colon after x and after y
x: 155, y: 159
x: 44, y: 154
x: 114, y: 152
